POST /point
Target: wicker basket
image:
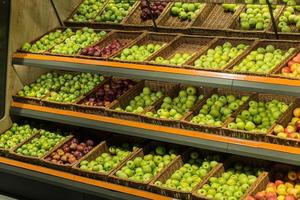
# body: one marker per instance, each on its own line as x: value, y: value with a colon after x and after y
x: 145, y: 150
x: 135, y: 91
x: 253, y: 135
x: 112, y: 25
x: 149, y: 38
x: 186, y: 124
x: 5, y: 152
x: 281, y: 44
x: 169, y: 23
x: 293, y: 27
x: 170, y: 122
x: 221, y: 41
x: 230, y: 163
x: 166, y: 174
x: 98, y: 110
x: 124, y: 37
x: 69, y: 22
x: 236, y: 30
x: 284, y: 121
x: 272, y: 176
x: 183, y: 44
x: 38, y: 38
x: 213, y: 17
x: 277, y: 70
x: 98, y: 138
x: 134, y: 21
x: 35, y: 160
x: 115, y: 140
x: 49, y: 52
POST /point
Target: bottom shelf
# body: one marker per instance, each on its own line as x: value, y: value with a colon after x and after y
x: 68, y: 180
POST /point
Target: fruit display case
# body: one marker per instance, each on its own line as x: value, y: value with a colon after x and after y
x: 98, y: 106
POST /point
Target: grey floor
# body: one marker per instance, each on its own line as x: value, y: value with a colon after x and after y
x: 2, y: 197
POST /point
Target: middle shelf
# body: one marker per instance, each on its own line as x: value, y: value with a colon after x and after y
x: 256, y: 149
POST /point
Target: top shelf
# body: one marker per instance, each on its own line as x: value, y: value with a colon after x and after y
x: 153, y: 72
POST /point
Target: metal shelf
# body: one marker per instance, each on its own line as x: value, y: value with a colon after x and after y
x: 267, y: 151
x: 74, y: 182
x: 187, y: 76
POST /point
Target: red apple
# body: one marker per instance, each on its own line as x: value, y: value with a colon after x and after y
x: 250, y: 198
x: 260, y: 195
x: 271, y: 195
x: 278, y: 182
x: 289, y: 197
x: 292, y: 135
x: 290, y: 63
x: 296, y: 112
x: 290, y: 129
x: 285, y: 70
x: 297, y: 124
x: 297, y: 58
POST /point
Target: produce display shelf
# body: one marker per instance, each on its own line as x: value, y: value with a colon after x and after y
x: 263, y: 150
x: 68, y: 180
x: 161, y: 73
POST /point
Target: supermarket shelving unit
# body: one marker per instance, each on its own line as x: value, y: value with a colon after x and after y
x: 236, y: 146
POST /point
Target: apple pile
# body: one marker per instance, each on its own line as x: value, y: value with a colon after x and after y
x: 115, y: 11
x: 293, y: 128
x: 39, y: 146
x: 288, y: 18
x: 41, y: 87
x: 218, y: 109
x: 260, y: 116
x: 142, y: 101
x: 108, y: 160
x: 71, y: 151
x: 220, y: 56
x: 88, y: 10
x: 293, y: 68
x: 190, y: 174
x: 139, y: 53
x: 175, y: 108
x: 262, y: 60
x: 186, y: 11
x: 285, y: 187
x: 16, y: 135
x: 142, y: 169
x: 229, y: 7
x: 105, y: 52
x: 156, y: 8
x: 48, y: 41
x: 108, y: 92
x: 82, y: 38
x: 232, y: 184
x: 70, y: 87
x: 256, y: 17
x: 177, y: 59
